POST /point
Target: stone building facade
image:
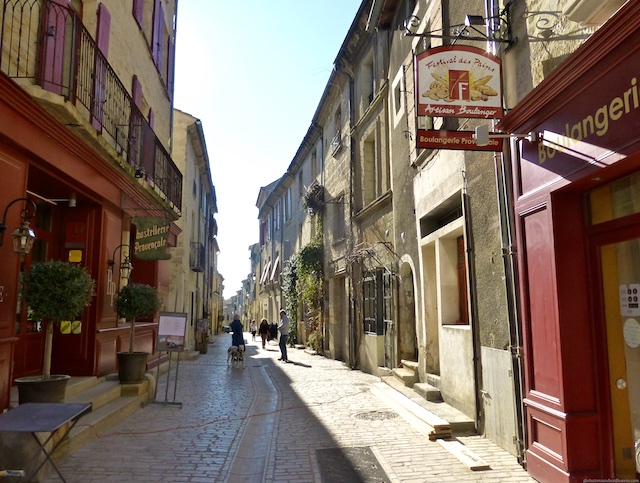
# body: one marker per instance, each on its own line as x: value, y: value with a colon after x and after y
x: 193, y: 286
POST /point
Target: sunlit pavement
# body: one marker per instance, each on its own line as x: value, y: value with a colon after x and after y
x: 273, y: 421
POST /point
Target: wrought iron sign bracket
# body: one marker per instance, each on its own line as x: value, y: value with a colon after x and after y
x: 500, y: 26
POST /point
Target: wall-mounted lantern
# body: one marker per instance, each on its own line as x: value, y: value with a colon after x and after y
x: 22, y: 237
x: 125, y: 267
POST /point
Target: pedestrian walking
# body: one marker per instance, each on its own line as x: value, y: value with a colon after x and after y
x: 283, y: 327
x: 253, y: 328
x: 264, y: 331
x: 273, y: 331
x: 237, y: 337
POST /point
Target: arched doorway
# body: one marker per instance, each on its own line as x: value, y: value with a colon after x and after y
x: 407, y: 340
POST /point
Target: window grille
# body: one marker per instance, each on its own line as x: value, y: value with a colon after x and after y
x: 377, y: 300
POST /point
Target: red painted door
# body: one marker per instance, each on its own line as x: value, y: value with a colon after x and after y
x: 29, y: 350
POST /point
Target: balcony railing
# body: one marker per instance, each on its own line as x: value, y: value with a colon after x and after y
x: 46, y: 44
x: 197, y: 257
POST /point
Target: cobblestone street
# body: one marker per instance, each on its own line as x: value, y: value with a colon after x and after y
x: 274, y: 422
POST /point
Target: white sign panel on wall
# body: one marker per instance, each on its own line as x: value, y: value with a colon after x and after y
x: 630, y: 300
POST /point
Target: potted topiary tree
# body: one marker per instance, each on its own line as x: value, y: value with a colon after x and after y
x: 134, y: 301
x: 54, y: 291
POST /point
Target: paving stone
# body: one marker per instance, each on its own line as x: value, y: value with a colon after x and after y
x: 277, y: 413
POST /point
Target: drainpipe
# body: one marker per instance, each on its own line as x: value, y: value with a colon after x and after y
x: 473, y: 308
x: 504, y: 191
x: 347, y: 69
x: 503, y: 182
x: 173, y: 79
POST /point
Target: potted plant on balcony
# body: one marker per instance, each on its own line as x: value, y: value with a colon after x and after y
x: 54, y: 291
x: 134, y: 301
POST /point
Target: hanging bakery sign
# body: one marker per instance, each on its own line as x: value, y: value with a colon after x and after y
x: 459, y: 81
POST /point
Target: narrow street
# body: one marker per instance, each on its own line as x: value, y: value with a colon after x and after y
x: 309, y: 420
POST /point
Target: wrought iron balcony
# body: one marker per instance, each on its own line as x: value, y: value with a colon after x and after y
x: 45, y: 44
x: 197, y: 257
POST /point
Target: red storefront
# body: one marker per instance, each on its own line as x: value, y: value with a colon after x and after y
x: 577, y: 208
x: 85, y: 205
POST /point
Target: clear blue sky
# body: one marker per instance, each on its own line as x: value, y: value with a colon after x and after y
x: 253, y: 72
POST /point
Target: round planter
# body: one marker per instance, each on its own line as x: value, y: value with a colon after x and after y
x: 34, y: 389
x: 202, y: 347
x: 132, y: 367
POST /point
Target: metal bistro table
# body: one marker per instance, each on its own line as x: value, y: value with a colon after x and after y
x: 42, y: 418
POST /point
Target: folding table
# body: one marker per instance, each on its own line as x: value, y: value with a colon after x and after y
x: 42, y: 418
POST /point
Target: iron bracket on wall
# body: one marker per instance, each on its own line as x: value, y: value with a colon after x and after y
x: 500, y: 28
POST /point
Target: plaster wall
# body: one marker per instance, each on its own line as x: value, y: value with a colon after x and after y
x: 538, y: 51
x: 437, y: 181
x: 371, y: 353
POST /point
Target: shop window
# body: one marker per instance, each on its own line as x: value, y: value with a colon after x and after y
x: 615, y: 200
x: 452, y: 279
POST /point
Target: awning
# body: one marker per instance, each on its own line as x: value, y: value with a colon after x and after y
x: 276, y: 264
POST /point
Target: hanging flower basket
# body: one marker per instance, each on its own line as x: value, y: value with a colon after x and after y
x: 313, y: 199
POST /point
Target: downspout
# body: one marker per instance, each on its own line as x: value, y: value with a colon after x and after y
x: 321, y: 214
x: 473, y: 308
x: 353, y: 333
x: 504, y: 186
x: 173, y: 78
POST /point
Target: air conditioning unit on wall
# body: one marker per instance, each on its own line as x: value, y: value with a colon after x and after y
x: 591, y: 12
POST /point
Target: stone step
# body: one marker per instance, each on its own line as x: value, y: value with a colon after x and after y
x: 95, y: 423
x: 76, y: 385
x: 413, y: 365
x: 407, y: 376
x: 427, y: 391
x: 460, y: 423
x: 426, y: 422
x: 111, y: 402
x: 434, y: 380
x: 98, y: 395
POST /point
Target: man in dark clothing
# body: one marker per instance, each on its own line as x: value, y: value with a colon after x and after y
x: 237, y: 337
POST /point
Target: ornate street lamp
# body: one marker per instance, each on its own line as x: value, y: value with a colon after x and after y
x: 22, y: 237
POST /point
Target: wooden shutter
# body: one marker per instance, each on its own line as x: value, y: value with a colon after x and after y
x: 135, y: 123
x: 170, y: 64
x: 136, y: 91
x: 55, y: 20
x: 138, y: 11
x: 156, y: 34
